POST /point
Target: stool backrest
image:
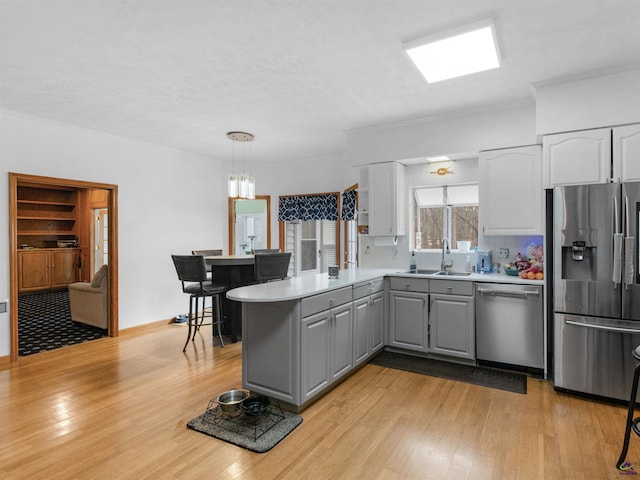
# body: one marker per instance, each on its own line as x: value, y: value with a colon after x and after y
x: 207, y: 253
x: 190, y: 268
x: 271, y: 266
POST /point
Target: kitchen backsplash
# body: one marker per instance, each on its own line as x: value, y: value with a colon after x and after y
x: 504, y: 249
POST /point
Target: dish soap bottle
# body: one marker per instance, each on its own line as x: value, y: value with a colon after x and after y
x: 412, y: 265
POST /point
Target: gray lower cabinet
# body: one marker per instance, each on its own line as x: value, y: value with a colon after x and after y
x: 408, y: 320
x: 326, y: 351
x: 452, y: 319
x: 368, y: 326
x: 368, y: 319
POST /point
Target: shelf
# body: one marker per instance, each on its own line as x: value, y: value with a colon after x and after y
x: 39, y: 202
x: 49, y: 233
x: 33, y: 217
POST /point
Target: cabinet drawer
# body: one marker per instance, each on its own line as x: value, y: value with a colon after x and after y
x: 452, y: 287
x: 325, y: 301
x: 367, y: 288
x: 409, y: 284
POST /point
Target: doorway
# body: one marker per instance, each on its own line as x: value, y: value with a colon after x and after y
x: 249, y: 225
x: 71, y: 230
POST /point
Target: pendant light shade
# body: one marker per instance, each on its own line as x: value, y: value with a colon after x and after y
x: 241, y: 185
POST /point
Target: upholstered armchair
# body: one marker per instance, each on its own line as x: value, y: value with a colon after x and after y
x: 88, y: 300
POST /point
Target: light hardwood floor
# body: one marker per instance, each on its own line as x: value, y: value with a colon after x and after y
x: 116, y: 408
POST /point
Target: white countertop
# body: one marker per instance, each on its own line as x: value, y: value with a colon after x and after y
x: 475, y: 277
x: 300, y: 287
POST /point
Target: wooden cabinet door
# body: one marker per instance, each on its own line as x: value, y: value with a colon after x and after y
x: 408, y: 320
x: 33, y: 270
x: 511, y: 191
x: 64, y: 267
x: 626, y: 153
x: 577, y: 158
x: 452, y: 330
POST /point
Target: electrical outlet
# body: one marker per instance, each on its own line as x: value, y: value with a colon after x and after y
x: 504, y: 253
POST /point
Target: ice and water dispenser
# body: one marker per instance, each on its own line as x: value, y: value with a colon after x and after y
x: 578, y: 258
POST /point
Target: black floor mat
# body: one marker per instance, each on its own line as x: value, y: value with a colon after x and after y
x: 486, y: 377
x: 44, y: 323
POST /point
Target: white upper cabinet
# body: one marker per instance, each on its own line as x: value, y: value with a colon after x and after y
x: 384, y: 197
x: 626, y: 153
x: 586, y: 157
x: 577, y: 158
x: 511, y: 191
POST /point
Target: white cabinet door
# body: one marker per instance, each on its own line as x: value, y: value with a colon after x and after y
x: 452, y: 331
x: 408, y: 320
x: 386, y: 191
x: 577, y: 158
x: 511, y: 191
x: 626, y: 153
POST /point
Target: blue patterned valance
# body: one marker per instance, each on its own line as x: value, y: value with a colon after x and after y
x: 348, y: 210
x: 308, y: 207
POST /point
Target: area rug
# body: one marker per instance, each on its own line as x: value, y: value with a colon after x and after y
x: 486, y: 377
x: 258, y: 434
x: 44, y: 323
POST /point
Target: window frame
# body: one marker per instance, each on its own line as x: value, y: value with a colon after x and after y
x: 447, y: 213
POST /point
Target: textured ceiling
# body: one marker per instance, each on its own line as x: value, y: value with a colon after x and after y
x: 297, y: 74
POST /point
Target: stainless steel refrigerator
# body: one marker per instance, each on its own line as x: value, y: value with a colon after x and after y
x: 596, y: 287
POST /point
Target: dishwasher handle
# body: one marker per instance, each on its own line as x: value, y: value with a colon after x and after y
x: 509, y: 293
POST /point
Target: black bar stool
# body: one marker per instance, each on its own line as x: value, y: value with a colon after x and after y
x: 631, y: 422
x: 192, y: 272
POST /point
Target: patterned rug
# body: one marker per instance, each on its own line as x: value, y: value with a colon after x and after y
x: 486, y: 377
x: 44, y: 323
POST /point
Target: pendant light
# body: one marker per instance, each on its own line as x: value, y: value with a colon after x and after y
x: 241, y: 185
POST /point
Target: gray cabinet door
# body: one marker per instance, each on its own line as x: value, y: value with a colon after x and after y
x: 408, y: 320
x: 361, y: 320
x: 452, y: 326
x: 341, y: 346
x: 376, y: 321
x: 314, y: 353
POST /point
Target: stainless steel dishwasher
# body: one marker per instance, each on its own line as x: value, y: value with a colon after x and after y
x: 510, y: 324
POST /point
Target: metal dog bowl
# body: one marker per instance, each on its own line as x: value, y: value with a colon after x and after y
x: 230, y: 400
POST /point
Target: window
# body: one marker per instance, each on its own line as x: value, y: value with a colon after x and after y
x: 449, y: 212
x: 313, y: 245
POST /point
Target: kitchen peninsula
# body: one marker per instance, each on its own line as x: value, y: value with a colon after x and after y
x: 303, y: 335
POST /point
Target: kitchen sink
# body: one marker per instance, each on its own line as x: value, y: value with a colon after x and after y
x: 448, y: 273
x: 452, y: 273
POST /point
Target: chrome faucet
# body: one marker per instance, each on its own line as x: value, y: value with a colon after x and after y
x: 445, y: 249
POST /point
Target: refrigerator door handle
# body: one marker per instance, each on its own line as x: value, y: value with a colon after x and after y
x: 629, y: 247
x: 618, y: 239
x: 602, y: 327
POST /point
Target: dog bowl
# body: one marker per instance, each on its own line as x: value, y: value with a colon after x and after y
x: 254, y: 406
x: 230, y: 400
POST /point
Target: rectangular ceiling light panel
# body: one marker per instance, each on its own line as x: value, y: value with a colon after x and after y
x: 468, y: 49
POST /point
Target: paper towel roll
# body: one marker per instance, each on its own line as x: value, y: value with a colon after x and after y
x: 385, y: 241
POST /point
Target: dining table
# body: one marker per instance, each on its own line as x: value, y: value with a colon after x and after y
x: 233, y: 271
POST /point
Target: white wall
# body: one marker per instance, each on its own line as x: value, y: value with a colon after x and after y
x: 462, y: 132
x: 312, y: 175
x: 168, y: 202
x: 601, y: 101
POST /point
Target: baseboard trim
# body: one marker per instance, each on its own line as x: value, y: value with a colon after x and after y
x: 146, y: 327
